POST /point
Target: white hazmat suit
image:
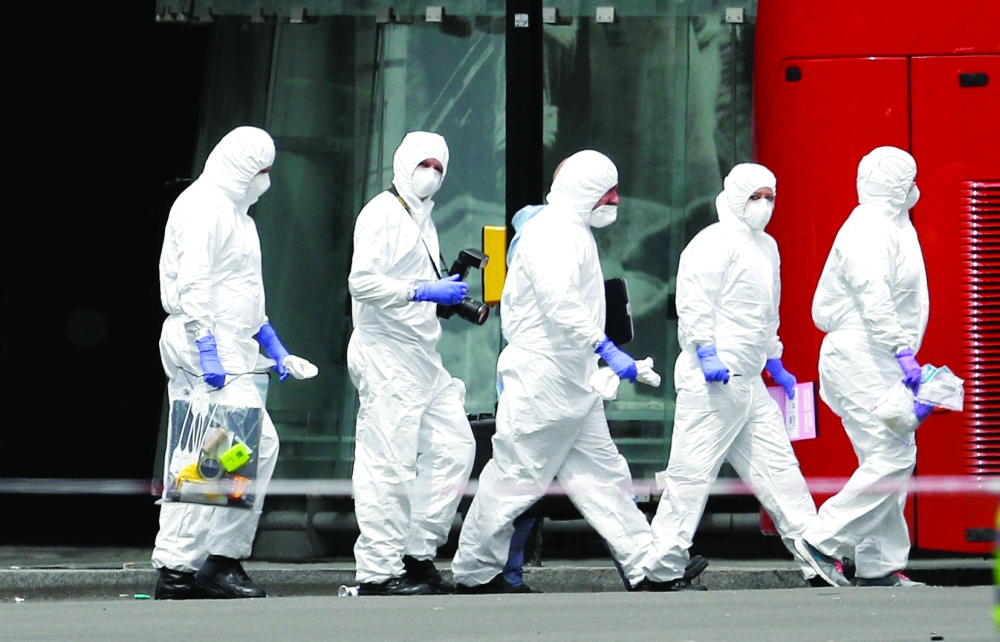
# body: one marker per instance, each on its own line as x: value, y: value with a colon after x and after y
x: 872, y: 301
x: 414, y: 446
x: 728, y: 290
x: 550, y: 422
x: 211, y: 282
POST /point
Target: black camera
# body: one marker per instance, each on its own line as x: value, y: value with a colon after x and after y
x: 469, y: 309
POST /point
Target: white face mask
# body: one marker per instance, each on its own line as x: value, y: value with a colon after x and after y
x: 257, y: 187
x: 603, y: 216
x: 425, y: 182
x: 758, y: 213
x: 911, y: 198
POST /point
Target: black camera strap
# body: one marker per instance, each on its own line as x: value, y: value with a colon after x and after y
x: 434, y: 264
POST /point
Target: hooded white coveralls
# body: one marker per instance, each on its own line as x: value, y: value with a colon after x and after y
x: 550, y: 422
x: 728, y: 290
x: 211, y: 280
x: 414, y: 446
x: 872, y: 301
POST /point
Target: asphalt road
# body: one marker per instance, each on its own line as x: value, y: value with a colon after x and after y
x: 868, y: 614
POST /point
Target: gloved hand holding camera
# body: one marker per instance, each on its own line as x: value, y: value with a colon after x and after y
x: 466, y: 307
x: 447, y: 291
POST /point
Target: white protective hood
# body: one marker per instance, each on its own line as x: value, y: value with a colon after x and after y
x: 584, y: 178
x: 237, y: 159
x: 885, y: 175
x: 742, y: 181
x: 415, y: 149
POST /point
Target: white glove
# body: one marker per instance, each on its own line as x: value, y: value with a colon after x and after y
x: 300, y: 368
x: 644, y: 372
x: 605, y: 382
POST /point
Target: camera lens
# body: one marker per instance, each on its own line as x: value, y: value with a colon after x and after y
x: 473, y: 311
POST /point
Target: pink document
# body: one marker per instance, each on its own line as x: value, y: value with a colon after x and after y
x: 799, y: 413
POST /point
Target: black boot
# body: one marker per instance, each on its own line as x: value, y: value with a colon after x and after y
x: 497, y: 585
x: 425, y: 571
x: 670, y: 586
x: 224, y: 578
x: 694, y: 567
x: 395, y: 586
x: 176, y: 585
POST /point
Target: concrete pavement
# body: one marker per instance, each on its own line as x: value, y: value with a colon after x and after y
x: 807, y: 615
x: 70, y: 573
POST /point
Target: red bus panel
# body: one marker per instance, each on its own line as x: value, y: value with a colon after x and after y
x: 955, y: 107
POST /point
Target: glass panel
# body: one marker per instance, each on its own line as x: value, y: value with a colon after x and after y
x: 449, y: 79
x: 318, y: 114
x: 343, y: 92
x: 668, y: 99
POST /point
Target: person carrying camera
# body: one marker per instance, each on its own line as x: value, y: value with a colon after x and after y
x: 550, y: 420
x: 414, y: 447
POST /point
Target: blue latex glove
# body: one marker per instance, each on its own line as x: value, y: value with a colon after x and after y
x: 447, y: 291
x: 268, y: 338
x: 921, y: 410
x: 911, y: 369
x: 782, y: 377
x: 618, y: 360
x: 712, y: 366
x: 215, y: 376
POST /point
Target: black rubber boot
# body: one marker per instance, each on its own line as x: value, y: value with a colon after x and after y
x: 176, y: 585
x: 395, y: 586
x: 497, y: 585
x: 425, y: 571
x: 223, y: 578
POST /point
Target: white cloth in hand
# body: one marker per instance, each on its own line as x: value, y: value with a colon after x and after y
x: 605, y: 382
x: 645, y: 373
x: 300, y: 368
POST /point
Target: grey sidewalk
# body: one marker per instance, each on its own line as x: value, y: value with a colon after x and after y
x: 47, y: 573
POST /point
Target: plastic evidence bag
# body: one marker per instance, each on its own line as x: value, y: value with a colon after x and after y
x: 940, y: 387
x: 212, y: 441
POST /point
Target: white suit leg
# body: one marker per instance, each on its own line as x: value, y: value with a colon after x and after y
x: 182, y: 541
x: 526, y: 455
x: 887, y: 549
x: 445, y: 452
x: 598, y: 481
x: 858, y: 512
x: 706, y: 421
x: 232, y: 530
x: 763, y: 457
x: 392, y: 401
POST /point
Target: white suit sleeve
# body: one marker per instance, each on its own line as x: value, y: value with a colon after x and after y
x: 700, y: 276
x: 197, y: 240
x: 866, y: 268
x: 373, y: 256
x: 773, y: 347
x: 555, y: 276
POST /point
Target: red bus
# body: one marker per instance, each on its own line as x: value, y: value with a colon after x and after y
x: 832, y: 81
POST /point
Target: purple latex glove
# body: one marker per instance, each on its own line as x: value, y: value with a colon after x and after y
x: 268, y: 338
x: 911, y: 369
x: 447, y: 291
x: 618, y: 360
x: 211, y: 365
x: 921, y: 410
x: 782, y: 377
x: 712, y: 366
